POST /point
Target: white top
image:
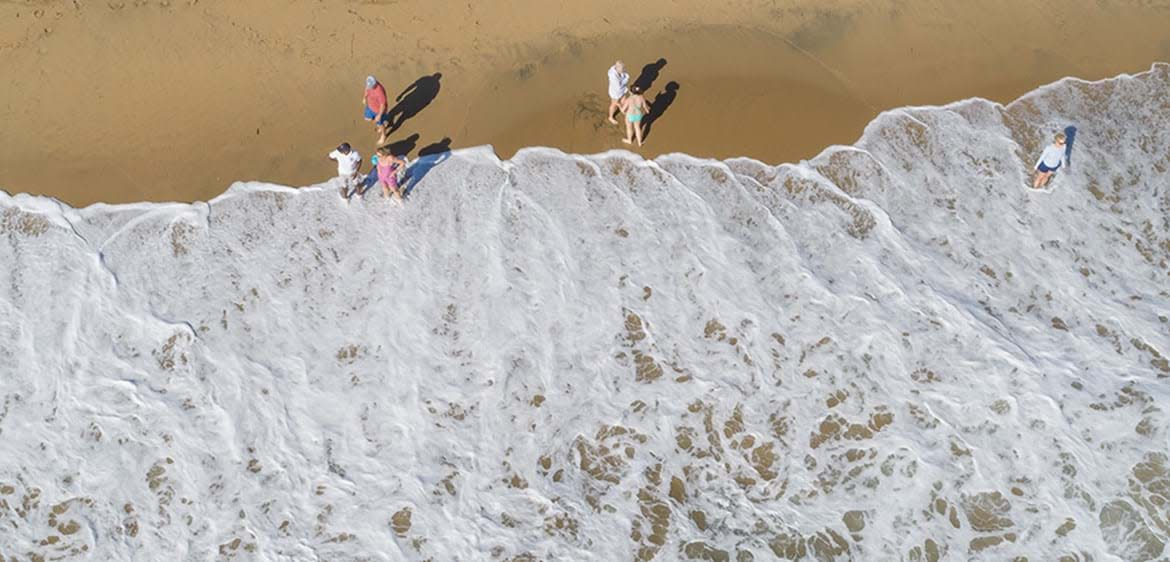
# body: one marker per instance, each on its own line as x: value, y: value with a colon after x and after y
x: 618, y: 81
x: 1052, y: 157
x: 347, y: 164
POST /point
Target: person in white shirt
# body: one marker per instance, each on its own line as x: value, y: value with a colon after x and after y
x: 619, y: 82
x: 349, y: 162
x: 1050, y: 161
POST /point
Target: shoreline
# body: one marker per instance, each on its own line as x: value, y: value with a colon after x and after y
x: 55, y: 205
x: 270, y: 98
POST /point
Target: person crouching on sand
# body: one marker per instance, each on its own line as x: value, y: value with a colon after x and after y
x: 619, y: 80
x: 388, y: 166
x: 1050, y: 161
x: 349, y: 162
x: 374, y: 101
x: 635, y: 108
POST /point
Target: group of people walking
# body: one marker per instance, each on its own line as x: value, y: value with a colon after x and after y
x: 628, y: 100
x: 389, y: 170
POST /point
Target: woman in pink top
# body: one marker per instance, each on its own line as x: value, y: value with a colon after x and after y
x: 388, y: 166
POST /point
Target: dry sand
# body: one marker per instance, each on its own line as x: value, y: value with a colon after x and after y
x: 125, y: 100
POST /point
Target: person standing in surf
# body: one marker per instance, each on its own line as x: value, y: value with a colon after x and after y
x: 348, y: 163
x: 619, y: 82
x: 374, y: 101
x: 388, y: 166
x: 1050, y: 161
x: 635, y: 108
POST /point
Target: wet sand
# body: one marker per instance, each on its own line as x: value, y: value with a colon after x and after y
x: 131, y: 100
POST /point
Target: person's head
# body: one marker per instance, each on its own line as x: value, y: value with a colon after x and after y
x: 343, y: 148
x: 384, y: 151
x: 620, y: 66
x: 636, y: 90
x: 371, y: 81
x: 1059, y: 138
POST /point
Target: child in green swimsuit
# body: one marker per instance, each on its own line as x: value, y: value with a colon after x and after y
x: 635, y: 108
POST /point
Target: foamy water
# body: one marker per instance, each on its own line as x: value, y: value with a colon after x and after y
x: 894, y: 351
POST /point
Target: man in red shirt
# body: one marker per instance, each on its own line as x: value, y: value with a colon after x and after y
x: 374, y: 101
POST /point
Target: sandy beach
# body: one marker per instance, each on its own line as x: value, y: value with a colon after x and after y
x: 129, y: 100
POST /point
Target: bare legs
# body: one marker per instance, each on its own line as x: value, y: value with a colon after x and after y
x: 614, y: 107
x: 350, y: 185
x: 1041, y: 179
x: 383, y: 131
x: 387, y: 188
x: 633, y: 129
x: 381, y: 125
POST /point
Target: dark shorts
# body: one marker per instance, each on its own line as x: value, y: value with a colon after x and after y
x: 1045, y: 169
x: 370, y: 115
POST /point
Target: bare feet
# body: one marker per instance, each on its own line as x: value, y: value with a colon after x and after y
x: 614, y: 121
x: 627, y: 141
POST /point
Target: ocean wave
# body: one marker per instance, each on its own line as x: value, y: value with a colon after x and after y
x: 893, y: 350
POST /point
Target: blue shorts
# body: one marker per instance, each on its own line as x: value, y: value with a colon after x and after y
x: 382, y: 122
x: 1045, y: 169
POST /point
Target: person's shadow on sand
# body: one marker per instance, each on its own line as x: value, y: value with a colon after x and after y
x: 649, y: 74
x: 403, y: 147
x: 659, y: 106
x: 428, y: 157
x: 436, y: 148
x: 413, y: 100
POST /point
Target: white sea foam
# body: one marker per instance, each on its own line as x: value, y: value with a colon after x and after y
x: 894, y: 351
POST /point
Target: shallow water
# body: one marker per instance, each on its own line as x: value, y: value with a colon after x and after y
x: 894, y: 351
x: 121, y: 102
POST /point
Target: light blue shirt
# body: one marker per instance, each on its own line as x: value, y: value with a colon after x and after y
x: 1052, y: 157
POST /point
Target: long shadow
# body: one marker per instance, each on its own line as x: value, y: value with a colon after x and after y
x: 403, y: 147
x: 659, y: 106
x: 368, y: 182
x: 436, y: 148
x: 1070, y: 136
x: 649, y: 74
x: 428, y: 157
x: 413, y: 100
